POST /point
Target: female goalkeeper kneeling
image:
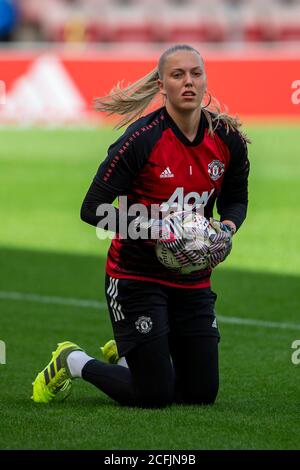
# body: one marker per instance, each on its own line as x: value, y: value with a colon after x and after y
x: 184, y: 153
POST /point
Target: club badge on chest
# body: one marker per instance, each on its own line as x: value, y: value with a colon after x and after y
x: 216, y: 169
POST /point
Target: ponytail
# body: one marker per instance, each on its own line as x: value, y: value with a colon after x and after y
x: 214, y: 114
x: 131, y: 101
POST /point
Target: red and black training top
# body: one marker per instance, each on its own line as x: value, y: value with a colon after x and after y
x: 153, y: 162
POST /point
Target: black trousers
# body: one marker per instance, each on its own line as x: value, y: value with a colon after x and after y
x: 170, y: 340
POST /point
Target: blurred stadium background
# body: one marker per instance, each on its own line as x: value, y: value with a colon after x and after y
x: 55, y: 57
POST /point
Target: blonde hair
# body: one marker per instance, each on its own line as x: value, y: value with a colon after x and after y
x: 132, y: 100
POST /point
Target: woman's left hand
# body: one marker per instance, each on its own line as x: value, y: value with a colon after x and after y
x: 221, y: 242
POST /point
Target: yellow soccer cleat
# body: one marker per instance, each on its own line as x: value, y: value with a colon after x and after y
x: 55, y: 381
x: 110, y: 352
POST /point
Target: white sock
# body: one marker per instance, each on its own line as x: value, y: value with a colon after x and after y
x: 122, y: 362
x: 76, y: 361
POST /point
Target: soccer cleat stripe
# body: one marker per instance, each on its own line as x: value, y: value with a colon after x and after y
x: 58, y: 363
x: 52, y: 370
x: 46, y: 375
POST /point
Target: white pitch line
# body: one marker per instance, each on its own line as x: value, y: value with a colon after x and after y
x: 84, y: 303
x: 52, y: 300
x: 263, y: 323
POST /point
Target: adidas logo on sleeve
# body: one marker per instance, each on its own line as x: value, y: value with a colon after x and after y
x: 167, y: 173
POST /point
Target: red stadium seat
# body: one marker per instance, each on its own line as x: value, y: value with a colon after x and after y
x: 182, y: 32
x: 261, y: 32
x: 290, y: 32
x: 131, y: 33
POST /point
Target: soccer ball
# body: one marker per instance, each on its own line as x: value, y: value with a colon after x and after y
x: 199, y: 230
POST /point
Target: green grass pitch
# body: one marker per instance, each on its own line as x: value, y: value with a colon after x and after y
x: 48, y: 252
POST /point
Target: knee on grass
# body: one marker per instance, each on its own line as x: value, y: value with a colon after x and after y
x: 200, y: 397
x: 160, y: 397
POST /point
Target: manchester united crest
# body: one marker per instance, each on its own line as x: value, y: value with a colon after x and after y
x: 144, y: 324
x: 216, y: 169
